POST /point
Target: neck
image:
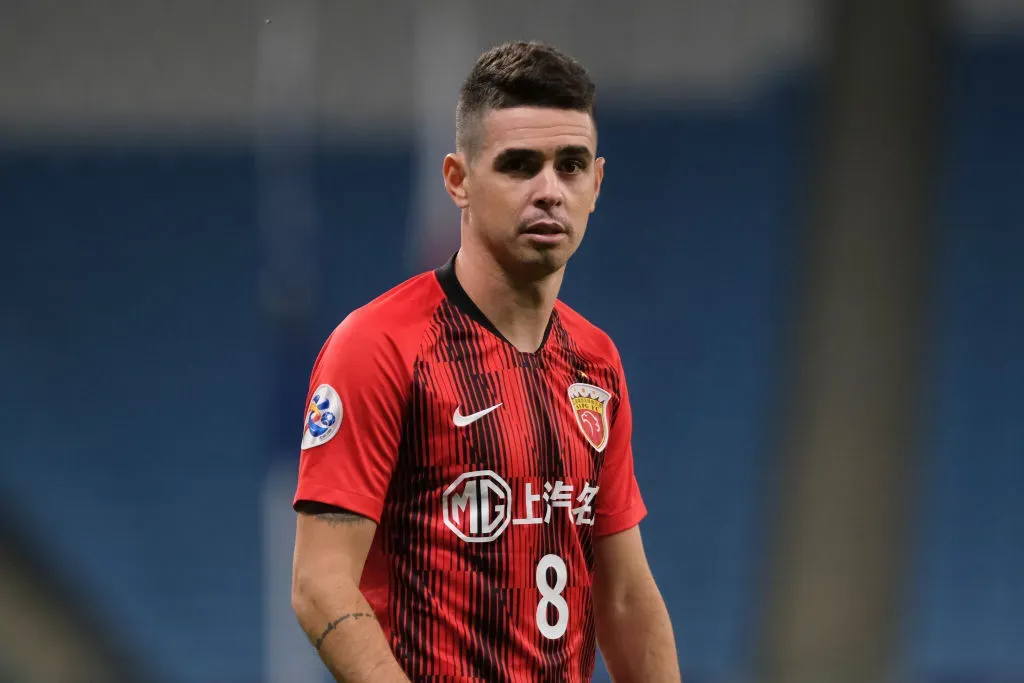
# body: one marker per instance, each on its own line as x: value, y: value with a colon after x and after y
x: 520, y: 310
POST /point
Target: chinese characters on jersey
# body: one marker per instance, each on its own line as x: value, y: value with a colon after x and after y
x: 478, y: 506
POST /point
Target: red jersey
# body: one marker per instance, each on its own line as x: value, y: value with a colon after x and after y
x: 489, y: 471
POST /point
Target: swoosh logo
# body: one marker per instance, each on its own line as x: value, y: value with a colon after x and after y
x: 461, y: 420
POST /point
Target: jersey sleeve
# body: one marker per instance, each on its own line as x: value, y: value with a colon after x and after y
x: 619, y: 505
x: 353, y: 420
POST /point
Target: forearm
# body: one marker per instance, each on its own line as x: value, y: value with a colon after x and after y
x: 636, y: 640
x: 342, y: 628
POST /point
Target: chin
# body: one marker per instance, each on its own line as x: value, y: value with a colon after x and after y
x: 540, y: 262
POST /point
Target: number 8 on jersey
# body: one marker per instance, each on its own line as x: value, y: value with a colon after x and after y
x: 552, y: 596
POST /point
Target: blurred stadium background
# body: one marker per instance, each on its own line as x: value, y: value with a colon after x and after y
x: 809, y: 249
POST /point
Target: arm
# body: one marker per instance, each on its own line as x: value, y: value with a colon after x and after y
x: 330, y: 548
x: 633, y: 626
x: 349, y: 444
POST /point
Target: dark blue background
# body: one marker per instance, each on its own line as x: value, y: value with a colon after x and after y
x: 144, y: 388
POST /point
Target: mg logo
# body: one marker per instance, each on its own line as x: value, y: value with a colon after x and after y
x: 477, y: 506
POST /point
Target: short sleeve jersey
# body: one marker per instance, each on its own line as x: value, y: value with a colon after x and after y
x: 490, y: 472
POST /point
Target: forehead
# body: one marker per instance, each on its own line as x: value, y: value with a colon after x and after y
x: 538, y: 128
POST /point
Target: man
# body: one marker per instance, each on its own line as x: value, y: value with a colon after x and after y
x: 467, y: 504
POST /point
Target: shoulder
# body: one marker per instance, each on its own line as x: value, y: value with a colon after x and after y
x: 590, y: 339
x: 400, y: 309
x: 390, y: 326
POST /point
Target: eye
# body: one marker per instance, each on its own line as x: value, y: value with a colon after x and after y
x: 515, y: 166
x: 572, y: 166
x: 518, y: 166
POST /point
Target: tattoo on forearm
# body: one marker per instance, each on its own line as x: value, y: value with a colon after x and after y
x: 334, y: 624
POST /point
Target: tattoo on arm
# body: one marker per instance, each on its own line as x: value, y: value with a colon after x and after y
x: 332, y: 515
x: 340, y: 518
x: 334, y: 624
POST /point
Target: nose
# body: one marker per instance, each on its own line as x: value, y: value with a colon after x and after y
x: 548, y: 193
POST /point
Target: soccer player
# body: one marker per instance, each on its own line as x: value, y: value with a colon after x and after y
x: 467, y: 507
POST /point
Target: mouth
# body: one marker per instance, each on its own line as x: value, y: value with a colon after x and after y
x: 544, y: 228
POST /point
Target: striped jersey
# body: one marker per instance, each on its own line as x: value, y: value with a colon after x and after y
x: 489, y: 471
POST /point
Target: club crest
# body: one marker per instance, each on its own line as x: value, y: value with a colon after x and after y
x: 590, y: 405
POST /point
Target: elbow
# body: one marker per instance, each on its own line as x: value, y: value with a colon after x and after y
x: 304, y: 594
x: 627, y: 599
x: 611, y: 615
x: 317, y: 591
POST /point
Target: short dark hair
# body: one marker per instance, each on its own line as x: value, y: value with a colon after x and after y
x: 519, y: 74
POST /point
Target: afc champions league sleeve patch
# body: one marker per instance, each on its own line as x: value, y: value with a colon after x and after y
x: 323, y: 417
x: 590, y: 404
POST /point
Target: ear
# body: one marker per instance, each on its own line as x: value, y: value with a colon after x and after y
x: 454, y: 170
x: 598, y: 179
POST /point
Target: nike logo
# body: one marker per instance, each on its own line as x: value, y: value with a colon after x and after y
x: 461, y: 420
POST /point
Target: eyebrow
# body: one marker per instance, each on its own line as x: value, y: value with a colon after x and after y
x: 574, y: 151
x: 567, y: 151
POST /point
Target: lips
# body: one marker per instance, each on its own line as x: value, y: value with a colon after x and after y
x: 544, y: 228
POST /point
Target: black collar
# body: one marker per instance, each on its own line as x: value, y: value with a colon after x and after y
x: 460, y: 299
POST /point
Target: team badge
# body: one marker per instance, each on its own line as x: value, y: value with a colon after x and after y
x: 323, y: 417
x: 590, y: 404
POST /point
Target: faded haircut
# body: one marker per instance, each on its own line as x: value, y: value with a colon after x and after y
x: 519, y: 74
